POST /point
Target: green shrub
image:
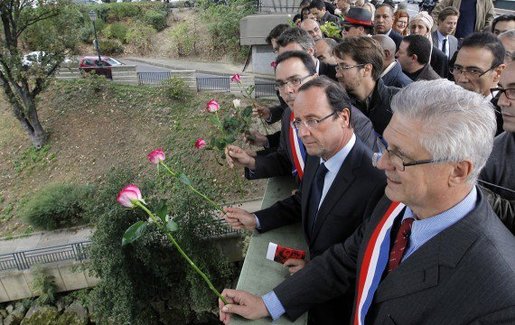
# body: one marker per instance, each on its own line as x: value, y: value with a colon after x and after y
x: 116, y: 30
x: 56, y: 206
x: 176, y: 88
x: 156, y: 19
x: 111, y: 47
x: 121, y: 11
x: 44, y: 285
x: 140, y: 35
x: 184, y: 39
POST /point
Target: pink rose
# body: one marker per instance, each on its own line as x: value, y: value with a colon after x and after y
x: 236, y: 78
x: 212, y: 106
x: 273, y: 64
x: 200, y: 143
x: 128, y: 195
x: 156, y: 156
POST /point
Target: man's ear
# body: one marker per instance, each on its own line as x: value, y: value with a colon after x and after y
x: 460, y: 173
x: 497, y: 72
x: 387, y: 53
x: 345, y: 116
x: 311, y: 51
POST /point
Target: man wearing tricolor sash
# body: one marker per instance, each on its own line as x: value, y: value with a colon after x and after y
x: 339, y: 187
x: 432, y: 251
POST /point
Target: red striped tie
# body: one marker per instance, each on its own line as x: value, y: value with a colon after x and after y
x: 400, y: 244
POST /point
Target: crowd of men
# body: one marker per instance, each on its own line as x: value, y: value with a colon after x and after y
x: 402, y: 143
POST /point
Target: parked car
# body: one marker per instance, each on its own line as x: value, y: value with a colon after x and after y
x: 91, y: 64
x: 39, y: 57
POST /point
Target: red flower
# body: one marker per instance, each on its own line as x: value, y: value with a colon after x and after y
x: 212, y: 106
x: 200, y: 143
x: 236, y: 78
x: 156, y: 156
x: 128, y: 195
x: 273, y: 64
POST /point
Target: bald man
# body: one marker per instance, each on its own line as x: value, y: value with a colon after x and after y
x: 313, y: 28
x: 392, y: 74
x: 324, y: 50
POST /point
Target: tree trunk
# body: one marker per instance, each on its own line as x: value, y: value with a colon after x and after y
x: 27, y: 114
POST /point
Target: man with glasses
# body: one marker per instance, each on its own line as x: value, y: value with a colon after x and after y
x: 340, y: 185
x: 499, y: 172
x: 360, y: 63
x: 432, y: 251
x: 478, y: 67
x: 292, y: 70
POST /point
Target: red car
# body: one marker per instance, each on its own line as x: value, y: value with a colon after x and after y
x: 91, y: 64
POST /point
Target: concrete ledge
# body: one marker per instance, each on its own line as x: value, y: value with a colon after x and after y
x: 259, y: 275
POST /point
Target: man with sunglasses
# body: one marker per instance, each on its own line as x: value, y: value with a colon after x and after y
x: 432, y: 251
x: 339, y: 187
x: 478, y: 67
x: 499, y: 172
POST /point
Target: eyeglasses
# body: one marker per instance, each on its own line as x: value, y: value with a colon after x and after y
x: 340, y: 67
x: 474, y: 73
x: 396, y: 158
x: 294, y: 81
x: 311, y: 123
x: 508, y: 92
x: 510, y: 55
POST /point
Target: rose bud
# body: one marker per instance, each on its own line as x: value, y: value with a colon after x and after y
x: 212, y: 106
x: 156, y: 156
x: 200, y: 143
x: 128, y: 195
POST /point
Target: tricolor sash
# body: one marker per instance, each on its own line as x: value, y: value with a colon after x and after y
x: 374, y: 262
x: 298, y: 151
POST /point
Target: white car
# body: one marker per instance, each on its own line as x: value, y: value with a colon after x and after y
x: 37, y: 57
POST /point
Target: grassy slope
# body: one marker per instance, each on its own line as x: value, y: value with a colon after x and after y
x: 91, y: 132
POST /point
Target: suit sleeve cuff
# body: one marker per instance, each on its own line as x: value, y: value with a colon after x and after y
x: 274, y: 306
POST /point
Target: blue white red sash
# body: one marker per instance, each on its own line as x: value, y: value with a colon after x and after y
x: 298, y: 151
x: 374, y: 262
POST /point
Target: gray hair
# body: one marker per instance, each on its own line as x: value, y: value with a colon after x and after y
x: 458, y: 124
x: 296, y: 35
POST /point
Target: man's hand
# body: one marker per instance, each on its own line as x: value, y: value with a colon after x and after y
x: 256, y: 138
x: 241, y: 303
x: 238, y: 218
x: 261, y: 112
x: 236, y: 155
x: 294, y: 264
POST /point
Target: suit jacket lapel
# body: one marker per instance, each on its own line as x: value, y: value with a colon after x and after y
x: 421, y: 270
x: 309, y: 174
x: 340, y: 185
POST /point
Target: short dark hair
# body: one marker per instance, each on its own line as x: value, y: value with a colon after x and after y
x: 446, y: 12
x: 488, y: 41
x: 296, y: 35
x: 363, y: 50
x: 420, y: 46
x: 392, y: 9
x: 336, y: 96
x: 306, y: 59
x: 502, y: 18
x: 305, y: 3
x: 318, y: 4
x: 276, y: 32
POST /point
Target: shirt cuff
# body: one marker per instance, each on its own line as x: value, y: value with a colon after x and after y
x: 274, y: 306
x: 258, y: 225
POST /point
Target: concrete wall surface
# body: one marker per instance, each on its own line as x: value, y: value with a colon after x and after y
x: 15, y: 285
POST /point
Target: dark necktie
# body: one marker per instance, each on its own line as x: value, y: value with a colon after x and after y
x: 444, y: 46
x: 316, y: 194
x: 400, y: 245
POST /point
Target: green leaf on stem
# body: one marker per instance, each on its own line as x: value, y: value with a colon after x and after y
x: 134, y: 232
x: 172, y: 226
x: 161, y: 211
x: 184, y: 179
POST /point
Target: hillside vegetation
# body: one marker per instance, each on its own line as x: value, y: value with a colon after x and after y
x: 98, y: 128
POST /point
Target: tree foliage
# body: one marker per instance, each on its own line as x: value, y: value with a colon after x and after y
x: 33, y: 26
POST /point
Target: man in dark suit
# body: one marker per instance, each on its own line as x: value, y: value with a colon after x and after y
x: 433, y: 251
x: 413, y: 55
x: 442, y: 37
x: 392, y: 74
x: 318, y: 8
x: 383, y: 22
x: 351, y: 185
